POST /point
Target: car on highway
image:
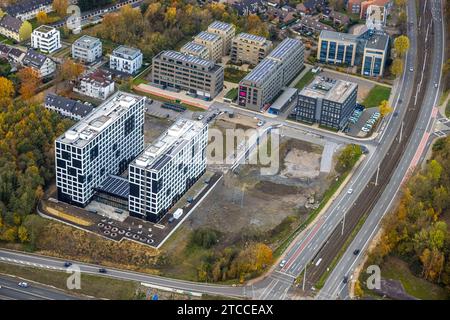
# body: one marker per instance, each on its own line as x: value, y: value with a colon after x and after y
x: 23, y: 284
x: 345, y: 279
x: 67, y: 264
x: 282, y: 263
x: 356, y: 252
x: 102, y: 270
x: 350, y: 191
x: 411, y: 69
x: 435, y: 85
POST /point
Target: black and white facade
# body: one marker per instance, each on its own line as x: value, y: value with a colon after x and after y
x: 167, y: 169
x: 103, y: 143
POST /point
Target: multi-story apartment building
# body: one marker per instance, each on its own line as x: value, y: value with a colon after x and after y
x: 40, y: 63
x: 258, y: 89
x: 375, y: 55
x: 184, y: 72
x: 226, y: 32
x: 327, y: 102
x: 87, y: 49
x: 45, y: 38
x: 248, y: 48
x: 98, y: 84
x: 15, y: 28
x: 67, y: 107
x: 126, y: 59
x: 336, y: 47
x: 194, y: 49
x: 213, y: 42
x: 376, y: 17
x: 28, y: 9
x: 102, y: 143
x: 167, y: 169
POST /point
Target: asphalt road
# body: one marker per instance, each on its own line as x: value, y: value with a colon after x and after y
x: 10, y: 290
x: 419, y: 141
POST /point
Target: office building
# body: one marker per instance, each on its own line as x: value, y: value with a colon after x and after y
x: 126, y: 59
x: 67, y: 107
x: 39, y: 63
x: 194, y: 49
x: 28, y: 9
x: 226, y: 32
x: 180, y: 71
x: 213, y: 42
x: 327, y: 102
x: 98, y: 84
x: 248, y: 48
x: 258, y: 89
x: 375, y: 55
x: 87, y: 49
x: 15, y: 28
x: 101, y: 144
x: 45, y: 38
x: 167, y: 169
x: 337, y: 48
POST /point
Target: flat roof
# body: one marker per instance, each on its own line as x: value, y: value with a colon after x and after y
x: 207, y: 36
x: 169, y: 54
x: 264, y: 69
x: 251, y: 37
x: 126, y: 51
x: 116, y: 186
x: 329, y: 89
x: 44, y: 28
x: 284, y: 98
x: 219, y: 25
x: 377, y: 42
x: 193, y: 48
x: 99, y: 119
x: 333, y: 35
x: 87, y: 42
x: 285, y: 48
x: 160, y: 151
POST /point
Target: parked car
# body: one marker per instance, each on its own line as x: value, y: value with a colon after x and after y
x: 282, y: 263
x: 171, y: 219
x: 200, y: 117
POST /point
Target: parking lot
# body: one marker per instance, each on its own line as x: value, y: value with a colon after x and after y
x: 355, y: 129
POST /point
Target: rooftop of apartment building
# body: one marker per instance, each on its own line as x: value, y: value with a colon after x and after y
x: 222, y: 26
x: 168, y: 144
x: 208, y: 36
x: 262, y: 71
x: 329, y: 89
x: 98, y: 120
x: 126, y: 52
x: 188, y: 60
x: 377, y: 41
x: 284, y: 49
x: 251, y: 37
x: 87, y: 42
x: 193, y: 48
x: 11, y: 23
x: 375, y: 12
x: 99, y: 77
x: 26, y: 6
x: 44, y: 29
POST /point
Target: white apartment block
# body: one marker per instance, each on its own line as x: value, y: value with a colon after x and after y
x: 226, y: 32
x: 46, y: 38
x: 87, y: 49
x: 101, y: 144
x: 126, y: 59
x: 98, y: 84
x: 167, y: 169
x: 213, y: 42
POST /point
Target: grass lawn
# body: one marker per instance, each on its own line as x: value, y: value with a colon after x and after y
x: 234, y: 75
x: 376, y: 95
x: 97, y: 286
x: 305, y: 80
x: 162, y: 99
x: 447, y: 110
x: 397, y: 269
x: 232, y: 94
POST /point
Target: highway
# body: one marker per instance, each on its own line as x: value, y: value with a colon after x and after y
x: 326, y: 236
x: 430, y: 74
x: 10, y: 290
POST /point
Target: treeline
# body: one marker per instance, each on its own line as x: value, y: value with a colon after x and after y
x: 86, y: 5
x: 417, y: 231
x: 241, y: 263
x: 160, y: 25
x: 27, y: 134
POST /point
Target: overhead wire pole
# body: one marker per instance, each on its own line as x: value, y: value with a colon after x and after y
x: 304, y: 278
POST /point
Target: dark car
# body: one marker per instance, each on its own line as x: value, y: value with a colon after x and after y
x: 345, y: 279
x: 67, y: 264
x: 356, y: 252
x: 102, y: 270
x: 171, y: 219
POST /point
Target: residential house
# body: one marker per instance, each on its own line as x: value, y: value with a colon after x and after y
x: 40, y: 63
x: 67, y: 107
x: 28, y: 9
x: 87, y: 49
x: 98, y: 84
x: 126, y: 59
x: 46, y: 38
x: 248, y: 7
x: 14, y: 28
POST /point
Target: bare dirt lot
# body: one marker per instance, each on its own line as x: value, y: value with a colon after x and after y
x: 154, y: 127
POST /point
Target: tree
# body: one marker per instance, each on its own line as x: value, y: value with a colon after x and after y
x: 400, y: 3
x: 384, y: 108
x: 25, y: 30
x: 22, y: 233
x: 401, y: 44
x: 29, y: 82
x: 171, y: 15
x: 60, y: 6
x: 348, y: 157
x: 397, y: 67
x: 71, y: 70
x: 42, y: 17
x: 6, y: 88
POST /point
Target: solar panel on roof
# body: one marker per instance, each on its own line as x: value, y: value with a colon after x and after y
x: 116, y: 186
